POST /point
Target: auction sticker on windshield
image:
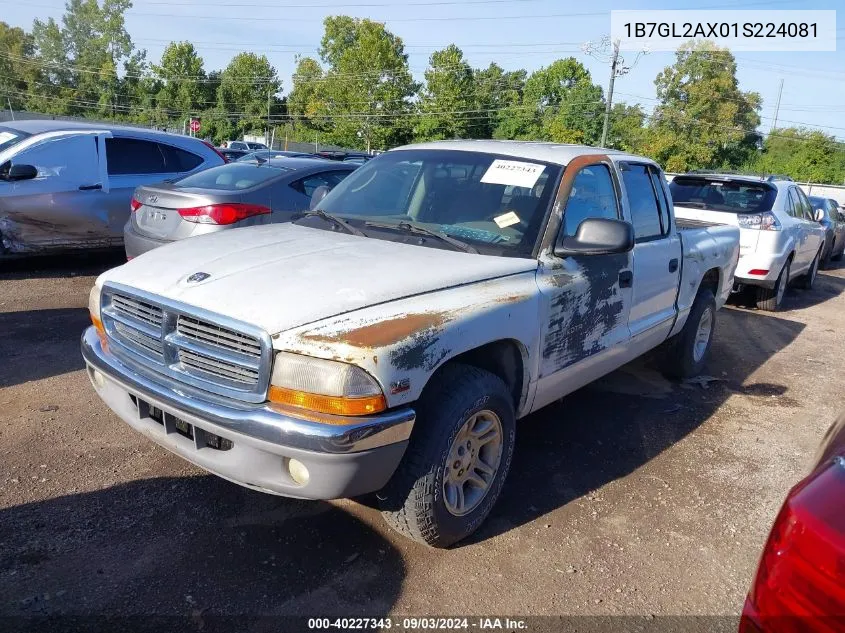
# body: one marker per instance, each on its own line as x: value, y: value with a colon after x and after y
x: 512, y: 172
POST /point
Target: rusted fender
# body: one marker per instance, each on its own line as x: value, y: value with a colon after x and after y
x: 402, y: 343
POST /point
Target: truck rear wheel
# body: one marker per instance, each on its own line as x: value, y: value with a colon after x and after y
x: 686, y: 352
x: 771, y: 298
x: 457, y: 459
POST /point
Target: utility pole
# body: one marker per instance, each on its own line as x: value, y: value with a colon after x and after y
x: 12, y: 112
x: 614, y: 63
x: 777, y: 107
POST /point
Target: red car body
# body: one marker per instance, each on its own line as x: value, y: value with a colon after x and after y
x: 800, y: 580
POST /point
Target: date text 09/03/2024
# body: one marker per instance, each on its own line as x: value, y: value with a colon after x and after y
x: 417, y: 623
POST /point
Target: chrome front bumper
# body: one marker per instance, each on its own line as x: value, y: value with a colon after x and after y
x: 347, y: 457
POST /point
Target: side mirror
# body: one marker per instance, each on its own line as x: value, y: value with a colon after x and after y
x: 819, y: 215
x: 597, y: 236
x: 18, y: 172
x: 317, y: 197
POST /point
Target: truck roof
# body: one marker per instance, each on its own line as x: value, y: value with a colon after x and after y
x: 558, y: 153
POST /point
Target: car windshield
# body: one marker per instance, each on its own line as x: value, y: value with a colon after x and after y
x: 10, y: 137
x: 498, y: 204
x: 232, y: 176
x: 720, y: 194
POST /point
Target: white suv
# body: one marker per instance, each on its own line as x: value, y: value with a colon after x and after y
x: 780, y: 239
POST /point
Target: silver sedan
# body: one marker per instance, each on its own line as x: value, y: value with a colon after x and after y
x: 233, y: 195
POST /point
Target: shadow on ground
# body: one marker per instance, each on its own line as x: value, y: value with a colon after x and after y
x: 37, y: 344
x: 195, y: 550
x: 612, y: 427
x: 66, y: 265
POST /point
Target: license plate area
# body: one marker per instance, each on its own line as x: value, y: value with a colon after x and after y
x: 173, y: 424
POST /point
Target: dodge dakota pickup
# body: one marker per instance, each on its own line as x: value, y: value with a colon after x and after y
x: 387, y: 340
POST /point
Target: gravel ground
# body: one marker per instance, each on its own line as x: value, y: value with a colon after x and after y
x: 634, y: 496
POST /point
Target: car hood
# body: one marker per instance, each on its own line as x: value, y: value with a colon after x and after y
x: 282, y: 276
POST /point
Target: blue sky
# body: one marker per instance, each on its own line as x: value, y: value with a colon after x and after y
x: 514, y: 33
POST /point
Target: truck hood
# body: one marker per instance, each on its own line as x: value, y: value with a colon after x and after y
x: 282, y: 276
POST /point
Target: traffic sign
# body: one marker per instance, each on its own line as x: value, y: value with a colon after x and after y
x: 195, y: 125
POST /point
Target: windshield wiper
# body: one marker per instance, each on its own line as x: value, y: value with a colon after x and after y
x: 328, y: 217
x: 407, y: 227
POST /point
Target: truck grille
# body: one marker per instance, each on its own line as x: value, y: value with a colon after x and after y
x: 205, y: 350
x: 217, y: 336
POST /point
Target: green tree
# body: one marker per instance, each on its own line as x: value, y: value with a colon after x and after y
x: 497, y: 91
x: 248, y: 93
x: 805, y: 155
x: 17, y: 71
x: 55, y: 86
x: 306, y: 108
x: 448, y: 101
x: 627, y: 128
x: 182, y: 76
x: 703, y: 119
x: 560, y: 103
x: 367, y: 86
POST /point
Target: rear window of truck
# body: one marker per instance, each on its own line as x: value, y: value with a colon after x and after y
x: 730, y: 196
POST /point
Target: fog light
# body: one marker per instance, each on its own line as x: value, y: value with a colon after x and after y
x: 298, y: 471
x: 98, y: 379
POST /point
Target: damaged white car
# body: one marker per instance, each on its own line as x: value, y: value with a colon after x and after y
x: 389, y: 339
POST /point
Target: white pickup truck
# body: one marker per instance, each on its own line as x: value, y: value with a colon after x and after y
x: 389, y: 340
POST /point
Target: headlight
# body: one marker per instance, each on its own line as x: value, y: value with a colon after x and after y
x: 94, y: 311
x: 94, y: 307
x: 324, y: 386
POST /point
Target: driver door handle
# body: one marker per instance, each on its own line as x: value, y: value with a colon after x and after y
x: 90, y: 187
x: 673, y: 265
x: 626, y: 279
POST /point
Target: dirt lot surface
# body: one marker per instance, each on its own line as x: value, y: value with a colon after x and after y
x: 633, y: 496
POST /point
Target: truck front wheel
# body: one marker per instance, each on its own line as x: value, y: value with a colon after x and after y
x: 687, y: 351
x: 457, y: 460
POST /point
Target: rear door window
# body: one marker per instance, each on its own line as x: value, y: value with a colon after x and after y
x: 806, y: 207
x: 127, y: 156
x: 179, y: 160
x: 642, y: 200
x: 306, y: 186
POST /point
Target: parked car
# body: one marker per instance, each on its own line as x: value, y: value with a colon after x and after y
x: 245, y: 145
x: 827, y: 214
x: 267, y: 154
x: 231, y: 155
x: 356, y: 157
x: 66, y: 185
x: 388, y: 340
x: 780, y: 239
x: 225, y: 197
x: 799, y: 583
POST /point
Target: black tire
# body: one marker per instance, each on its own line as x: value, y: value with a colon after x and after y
x: 682, y: 357
x: 837, y: 257
x: 808, y: 280
x: 771, y: 298
x: 413, y: 502
x: 824, y: 264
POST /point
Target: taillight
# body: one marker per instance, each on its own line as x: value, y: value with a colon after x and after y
x: 227, y: 213
x: 135, y: 204
x: 800, y: 582
x: 765, y: 221
x: 215, y: 150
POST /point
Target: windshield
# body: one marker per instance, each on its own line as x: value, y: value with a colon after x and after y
x: 9, y: 137
x: 732, y: 196
x: 232, y: 176
x: 496, y: 203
